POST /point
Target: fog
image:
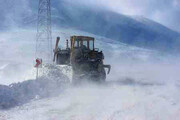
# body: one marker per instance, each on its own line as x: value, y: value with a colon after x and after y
x: 18, y: 50
x: 165, y: 12
x: 143, y: 83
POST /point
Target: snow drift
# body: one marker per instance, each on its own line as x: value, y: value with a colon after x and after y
x: 52, y: 82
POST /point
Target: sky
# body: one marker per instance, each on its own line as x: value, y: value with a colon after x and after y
x: 166, y: 12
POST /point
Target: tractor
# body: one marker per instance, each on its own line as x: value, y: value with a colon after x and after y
x: 85, y: 59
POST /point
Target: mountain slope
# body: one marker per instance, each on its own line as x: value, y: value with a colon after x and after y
x: 96, y: 20
x: 115, y: 26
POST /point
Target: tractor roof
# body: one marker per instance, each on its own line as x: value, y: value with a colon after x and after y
x: 86, y: 38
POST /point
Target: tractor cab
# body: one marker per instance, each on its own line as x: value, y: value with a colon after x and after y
x: 83, y: 48
x: 83, y: 42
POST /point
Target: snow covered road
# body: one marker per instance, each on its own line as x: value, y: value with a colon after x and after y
x: 110, y: 102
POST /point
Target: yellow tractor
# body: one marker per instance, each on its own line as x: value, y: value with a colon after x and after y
x: 85, y: 59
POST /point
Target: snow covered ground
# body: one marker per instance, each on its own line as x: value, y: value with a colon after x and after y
x: 143, y: 84
x: 114, y: 102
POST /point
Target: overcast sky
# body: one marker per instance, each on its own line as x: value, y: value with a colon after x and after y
x: 166, y: 12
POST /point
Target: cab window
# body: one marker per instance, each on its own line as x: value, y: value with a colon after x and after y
x: 76, y: 44
x: 91, y: 45
x: 85, y: 43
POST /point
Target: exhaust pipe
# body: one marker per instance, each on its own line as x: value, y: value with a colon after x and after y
x: 56, y: 48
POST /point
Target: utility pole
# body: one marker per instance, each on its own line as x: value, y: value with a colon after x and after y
x: 44, y: 34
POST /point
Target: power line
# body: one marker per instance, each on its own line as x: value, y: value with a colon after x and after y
x: 44, y: 34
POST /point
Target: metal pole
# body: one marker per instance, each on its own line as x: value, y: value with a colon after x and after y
x: 37, y: 72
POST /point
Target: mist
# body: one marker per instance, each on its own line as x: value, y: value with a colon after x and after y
x: 165, y: 12
x: 143, y: 83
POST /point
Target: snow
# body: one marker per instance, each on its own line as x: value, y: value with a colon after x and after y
x: 143, y: 84
x: 154, y: 102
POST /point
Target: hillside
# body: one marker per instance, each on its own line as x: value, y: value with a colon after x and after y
x: 131, y: 30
